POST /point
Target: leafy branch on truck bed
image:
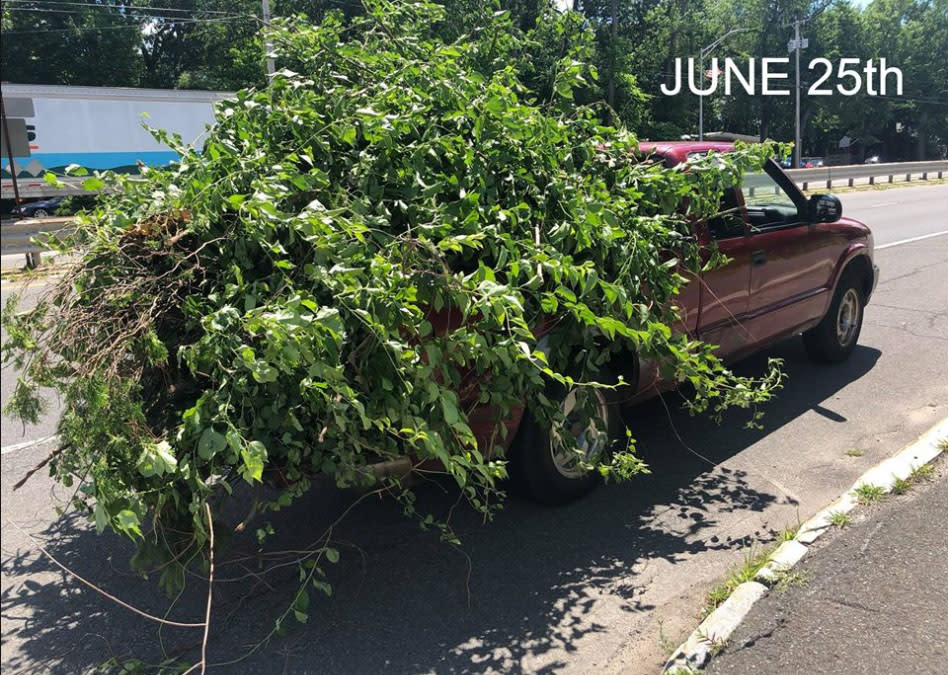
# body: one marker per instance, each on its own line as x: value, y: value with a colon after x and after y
x: 359, y: 257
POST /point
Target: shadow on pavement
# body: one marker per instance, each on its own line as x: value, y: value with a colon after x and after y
x: 518, y: 595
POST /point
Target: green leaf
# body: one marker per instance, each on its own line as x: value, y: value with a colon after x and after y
x: 126, y: 521
x: 450, y: 410
x: 101, y: 518
x: 157, y: 460
x: 210, y: 443
x: 254, y: 457
x: 93, y: 184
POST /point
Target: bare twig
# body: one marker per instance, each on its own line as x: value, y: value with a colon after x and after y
x: 29, y: 474
x: 102, y: 592
x: 210, y: 588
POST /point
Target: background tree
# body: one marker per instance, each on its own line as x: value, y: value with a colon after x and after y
x: 216, y: 44
x: 55, y: 43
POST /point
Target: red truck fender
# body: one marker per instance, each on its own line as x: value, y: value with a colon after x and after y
x: 856, y: 258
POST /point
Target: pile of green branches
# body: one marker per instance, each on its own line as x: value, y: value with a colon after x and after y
x: 265, y: 307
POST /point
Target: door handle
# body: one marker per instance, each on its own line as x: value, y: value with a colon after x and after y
x: 758, y: 258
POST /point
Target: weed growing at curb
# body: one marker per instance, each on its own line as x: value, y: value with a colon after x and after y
x: 923, y: 472
x: 789, y: 533
x: 753, y: 562
x: 854, y: 452
x: 791, y: 580
x: 685, y: 670
x: 840, y: 518
x: 717, y: 644
x: 900, y: 486
x: 942, y: 444
x: 867, y: 493
x: 919, y: 473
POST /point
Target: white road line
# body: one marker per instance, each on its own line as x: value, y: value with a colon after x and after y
x: 909, y: 241
x: 25, y: 444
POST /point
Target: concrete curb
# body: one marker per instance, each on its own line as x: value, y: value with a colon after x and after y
x: 712, y: 634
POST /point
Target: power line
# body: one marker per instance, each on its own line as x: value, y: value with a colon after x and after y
x: 123, y: 14
x: 135, y: 26
x: 115, y: 7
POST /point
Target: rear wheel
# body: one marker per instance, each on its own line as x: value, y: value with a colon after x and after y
x: 834, y: 338
x: 553, y: 474
x: 40, y: 213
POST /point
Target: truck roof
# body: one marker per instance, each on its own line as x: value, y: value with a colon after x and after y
x: 676, y: 152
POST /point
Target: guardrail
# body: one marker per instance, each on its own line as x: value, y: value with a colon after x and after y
x: 18, y: 237
x: 868, y: 174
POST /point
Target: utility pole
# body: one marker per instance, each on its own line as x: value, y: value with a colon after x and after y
x: 701, y: 98
x: 267, y: 44
x: 614, y: 37
x: 797, y: 45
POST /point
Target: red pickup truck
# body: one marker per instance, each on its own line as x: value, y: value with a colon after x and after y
x: 797, y: 267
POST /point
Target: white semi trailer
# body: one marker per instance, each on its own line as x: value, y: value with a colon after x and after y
x: 50, y: 127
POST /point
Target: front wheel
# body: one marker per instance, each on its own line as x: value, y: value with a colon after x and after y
x: 833, y: 339
x: 551, y: 473
x: 40, y: 213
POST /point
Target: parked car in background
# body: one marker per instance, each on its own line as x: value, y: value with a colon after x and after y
x: 812, y: 162
x: 41, y: 208
x: 873, y: 160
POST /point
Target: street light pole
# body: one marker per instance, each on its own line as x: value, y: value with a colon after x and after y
x: 796, y: 137
x: 701, y: 100
x: 267, y: 44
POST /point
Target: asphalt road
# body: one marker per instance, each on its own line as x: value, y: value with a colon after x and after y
x: 609, y: 584
x: 870, y: 599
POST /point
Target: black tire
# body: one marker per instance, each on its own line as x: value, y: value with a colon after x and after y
x: 40, y: 213
x: 541, y: 476
x: 834, y: 338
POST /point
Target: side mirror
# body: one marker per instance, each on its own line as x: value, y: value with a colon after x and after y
x: 825, y: 209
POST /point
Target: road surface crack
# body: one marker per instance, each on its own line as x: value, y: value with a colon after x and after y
x: 855, y: 605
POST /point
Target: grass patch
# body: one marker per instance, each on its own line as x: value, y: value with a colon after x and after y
x: 686, y: 670
x: 942, y: 444
x: 788, y: 534
x: 792, y: 580
x: 854, y: 452
x: 840, y: 518
x: 867, y: 493
x: 716, y: 644
x: 753, y: 562
x: 900, y: 486
x: 923, y: 472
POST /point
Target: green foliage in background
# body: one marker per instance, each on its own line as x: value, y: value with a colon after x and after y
x: 217, y: 44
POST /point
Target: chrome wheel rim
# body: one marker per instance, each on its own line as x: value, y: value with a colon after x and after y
x: 590, y: 439
x: 847, y: 319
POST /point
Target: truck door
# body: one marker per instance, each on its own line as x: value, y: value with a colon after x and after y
x: 724, y: 290
x: 791, y: 261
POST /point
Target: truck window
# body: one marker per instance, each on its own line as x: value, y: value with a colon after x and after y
x: 729, y: 222
x: 767, y: 204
